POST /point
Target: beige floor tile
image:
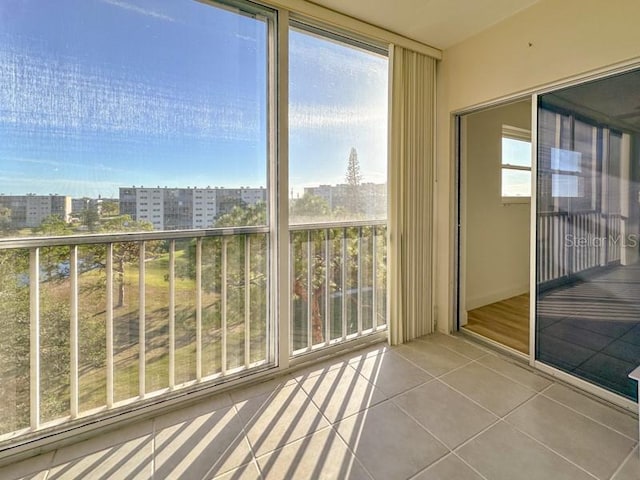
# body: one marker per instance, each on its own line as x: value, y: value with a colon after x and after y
x: 130, y: 460
x: 503, y: 453
x: 516, y: 372
x: 368, y: 352
x: 448, y: 415
x: 322, y: 456
x: 622, y: 422
x: 391, y: 373
x: 455, y: 343
x: 193, y: 410
x: 338, y: 363
x: 261, y: 388
x: 246, y: 472
x: 389, y: 443
x: 273, y: 420
x: 490, y: 389
x: 100, y: 443
x: 433, y: 358
x: 449, y: 468
x: 212, y: 444
x: 595, y: 448
x: 342, y: 392
x: 630, y: 469
x: 34, y: 468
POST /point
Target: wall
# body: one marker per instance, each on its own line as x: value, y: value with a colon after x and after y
x: 496, y: 235
x: 552, y: 41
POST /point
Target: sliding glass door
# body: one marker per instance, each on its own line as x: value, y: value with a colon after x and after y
x: 587, y: 271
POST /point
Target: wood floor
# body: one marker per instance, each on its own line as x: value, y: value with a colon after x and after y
x: 506, y: 322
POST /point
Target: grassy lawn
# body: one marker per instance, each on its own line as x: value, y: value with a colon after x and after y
x: 92, y: 318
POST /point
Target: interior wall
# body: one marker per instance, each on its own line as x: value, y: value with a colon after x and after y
x: 496, y: 234
x: 552, y: 41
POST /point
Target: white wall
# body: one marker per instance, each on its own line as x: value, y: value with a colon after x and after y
x: 551, y: 41
x: 496, y: 235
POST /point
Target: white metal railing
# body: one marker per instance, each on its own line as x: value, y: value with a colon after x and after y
x: 96, y: 322
x: 67, y: 286
x: 338, y: 282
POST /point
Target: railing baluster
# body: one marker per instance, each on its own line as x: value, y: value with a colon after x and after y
x: 34, y: 336
x: 327, y: 298
x: 309, y: 293
x: 247, y: 301
x: 359, y: 276
x: 199, y: 309
x: 74, y: 389
x: 223, y: 327
x: 374, y: 278
x: 142, y: 340
x: 292, y: 291
x: 172, y: 314
x: 344, y: 283
x: 109, y: 326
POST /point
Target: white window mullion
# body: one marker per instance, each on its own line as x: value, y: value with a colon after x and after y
x: 281, y: 293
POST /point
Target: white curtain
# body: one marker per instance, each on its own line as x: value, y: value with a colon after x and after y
x: 411, y: 147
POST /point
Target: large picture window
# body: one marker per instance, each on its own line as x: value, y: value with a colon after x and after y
x: 337, y: 177
x: 129, y: 163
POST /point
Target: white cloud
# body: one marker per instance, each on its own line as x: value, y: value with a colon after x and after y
x: 141, y: 11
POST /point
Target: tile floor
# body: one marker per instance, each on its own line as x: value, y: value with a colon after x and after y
x: 436, y: 408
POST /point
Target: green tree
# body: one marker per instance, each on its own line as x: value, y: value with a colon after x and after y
x: 353, y: 179
x: 309, y: 208
x: 14, y: 340
x: 54, y: 226
x: 125, y: 252
x: 90, y: 218
x: 109, y: 208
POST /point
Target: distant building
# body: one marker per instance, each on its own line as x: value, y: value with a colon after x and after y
x: 31, y: 210
x: 185, y: 208
x: 370, y: 198
x: 79, y: 205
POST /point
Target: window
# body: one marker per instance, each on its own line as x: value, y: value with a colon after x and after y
x: 337, y: 177
x: 516, y: 164
x: 97, y: 95
x: 148, y: 290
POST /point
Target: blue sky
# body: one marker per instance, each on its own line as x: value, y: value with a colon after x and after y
x: 97, y: 94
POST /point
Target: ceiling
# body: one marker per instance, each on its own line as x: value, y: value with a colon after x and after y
x: 438, y: 23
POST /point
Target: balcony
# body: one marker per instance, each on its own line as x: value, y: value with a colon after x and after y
x: 99, y: 324
x: 438, y: 407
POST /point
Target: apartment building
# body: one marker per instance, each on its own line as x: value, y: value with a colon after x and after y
x: 185, y: 208
x: 31, y: 210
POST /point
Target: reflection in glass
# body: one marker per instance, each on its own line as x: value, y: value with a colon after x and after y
x: 588, y: 275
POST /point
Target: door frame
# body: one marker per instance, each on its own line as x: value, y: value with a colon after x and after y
x: 460, y: 223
